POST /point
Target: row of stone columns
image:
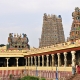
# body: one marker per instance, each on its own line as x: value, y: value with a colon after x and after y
x: 59, y: 60
x: 8, y: 61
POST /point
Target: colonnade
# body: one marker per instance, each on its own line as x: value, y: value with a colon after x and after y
x: 46, y: 60
x: 40, y: 60
x: 12, y: 61
x: 8, y: 61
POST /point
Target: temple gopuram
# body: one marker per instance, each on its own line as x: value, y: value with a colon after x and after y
x: 52, y: 30
x: 75, y: 28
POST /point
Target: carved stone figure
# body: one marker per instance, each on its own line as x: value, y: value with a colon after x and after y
x: 75, y: 28
x: 18, y: 41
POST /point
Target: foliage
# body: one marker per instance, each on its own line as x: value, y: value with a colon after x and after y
x: 42, y: 79
x: 18, y: 79
x: 30, y: 78
x: 1, y: 45
x: 10, y: 76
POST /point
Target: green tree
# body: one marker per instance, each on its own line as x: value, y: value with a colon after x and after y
x: 1, y: 45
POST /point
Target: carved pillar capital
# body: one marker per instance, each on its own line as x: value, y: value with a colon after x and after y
x: 7, y: 58
x: 52, y: 54
x: 65, y: 53
x: 17, y: 59
x: 73, y: 52
x: 47, y: 55
x: 58, y: 53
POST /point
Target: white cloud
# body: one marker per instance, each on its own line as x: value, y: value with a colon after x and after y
x: 13, y: 6
x: 18, y: 16
x: 31, y: 33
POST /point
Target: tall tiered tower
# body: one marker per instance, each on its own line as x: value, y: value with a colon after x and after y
x: 75, y: 28
x: 52, y: 31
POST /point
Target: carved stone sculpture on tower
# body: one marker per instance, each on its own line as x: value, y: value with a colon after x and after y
x: 18, y: 42
x: 75, y: 28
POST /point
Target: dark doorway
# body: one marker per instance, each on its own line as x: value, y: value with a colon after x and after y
x: 21, y: 61
x: 3, y: 62
x: 12, y: 61
x: 69, y: 59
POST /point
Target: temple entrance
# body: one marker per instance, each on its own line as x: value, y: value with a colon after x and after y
x: 2, y: 62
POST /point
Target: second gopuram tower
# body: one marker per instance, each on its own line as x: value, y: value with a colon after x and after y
x: 52, y: 31
x: 75, y: 28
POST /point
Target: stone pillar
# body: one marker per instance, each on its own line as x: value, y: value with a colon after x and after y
x: 35, y: 60
x: 7, y: 61
x: 73, y: 58
x: 28, y: 61
x: 42, y: 60
x: 59, y: 62
x: 17, y: 61
x: 47, y: 60
x: 52, y: 59
x: 31, y: 60
x: 65, y: 59
x: 38, y: 60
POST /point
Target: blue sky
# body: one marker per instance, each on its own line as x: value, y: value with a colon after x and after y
x: 26, y: 16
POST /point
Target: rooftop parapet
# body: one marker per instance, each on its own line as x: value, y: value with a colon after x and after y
x: 54, y: 47
x: 48, y: 16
